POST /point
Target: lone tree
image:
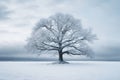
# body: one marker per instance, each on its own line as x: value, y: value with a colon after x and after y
x: 63, y: 34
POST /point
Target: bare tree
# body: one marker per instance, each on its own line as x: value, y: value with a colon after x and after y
x: 63, y: 34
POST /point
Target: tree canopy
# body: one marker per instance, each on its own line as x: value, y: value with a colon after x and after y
x: 62, y: 34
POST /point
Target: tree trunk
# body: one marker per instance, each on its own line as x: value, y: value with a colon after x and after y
x: 61, y: 61
x: 61, y: 57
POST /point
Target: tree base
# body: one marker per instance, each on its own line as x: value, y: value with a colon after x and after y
x: 61, y: 62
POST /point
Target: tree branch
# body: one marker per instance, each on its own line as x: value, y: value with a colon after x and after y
x: 49, y: 45
x: 67, y: 52
x: 43, y: 48
x: 51, y: 30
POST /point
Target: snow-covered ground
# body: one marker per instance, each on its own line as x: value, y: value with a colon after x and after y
x: 77, y: 70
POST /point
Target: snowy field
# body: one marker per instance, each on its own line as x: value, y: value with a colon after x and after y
x: 77, y: 70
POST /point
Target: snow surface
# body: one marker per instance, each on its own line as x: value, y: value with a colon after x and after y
x: 76, y: 70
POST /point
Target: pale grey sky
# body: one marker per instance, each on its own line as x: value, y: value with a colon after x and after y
x: 18, y: 17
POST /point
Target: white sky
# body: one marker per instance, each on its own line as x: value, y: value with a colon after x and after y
x: 18, y: 17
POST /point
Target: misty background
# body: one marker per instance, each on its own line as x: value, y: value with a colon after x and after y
x: 18, y: 17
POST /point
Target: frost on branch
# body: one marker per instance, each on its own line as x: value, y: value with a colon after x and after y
x: 63, y: 34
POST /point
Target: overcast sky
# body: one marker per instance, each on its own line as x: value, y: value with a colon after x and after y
x: 18, y: 17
